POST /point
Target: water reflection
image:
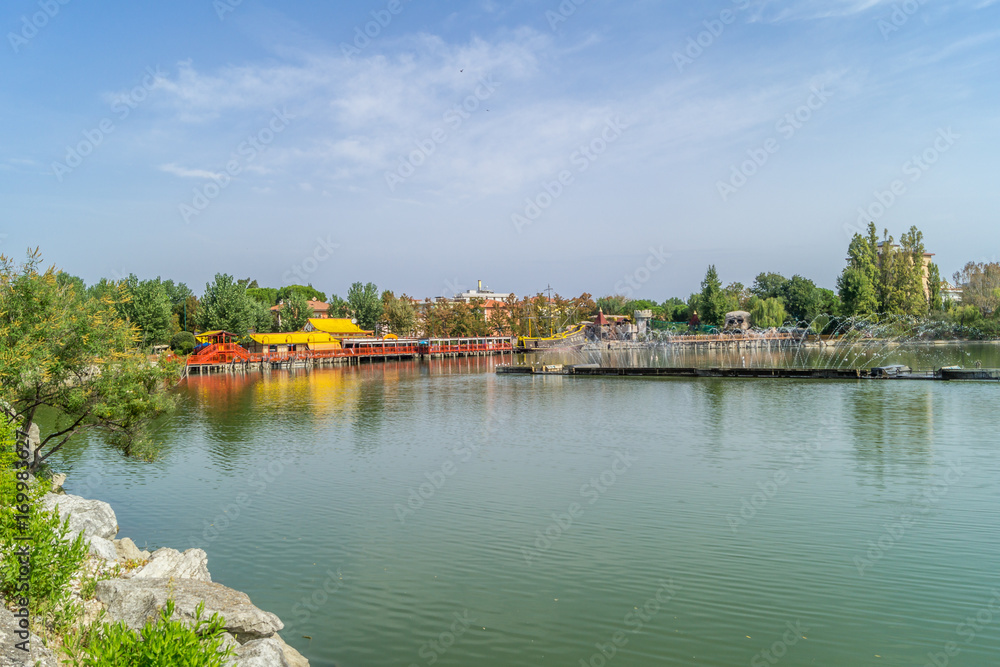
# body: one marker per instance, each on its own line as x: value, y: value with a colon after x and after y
x: 892, y: 427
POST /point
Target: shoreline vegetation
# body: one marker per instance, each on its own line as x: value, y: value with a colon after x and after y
x: 89, y: 599
x: 80, y: 356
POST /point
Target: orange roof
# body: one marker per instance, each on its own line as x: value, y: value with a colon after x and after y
x: 316, y: 306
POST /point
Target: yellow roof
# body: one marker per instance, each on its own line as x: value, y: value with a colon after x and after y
x: 206, y: 336
x: 338, y: 326
x: 293, y: 338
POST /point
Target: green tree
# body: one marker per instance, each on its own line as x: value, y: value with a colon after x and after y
x: 766, y: 313
x: 616, y: 304
x: 675, y: 310
x: 980, y: 284
x: 399, y: 314
x: 910, y: 274
x: 226, y: 306
x: 365, y: 304
x: 768, y: 285
x: 934, y: 301
x: 146, y: 304
x: 306, y: 290
x: 266, y: 295
x: 338, y: 307
x: 858, y: 284
x: 713, y: 302
x: 295, y: 312
x: 72, y: 356
x: 801, y: 298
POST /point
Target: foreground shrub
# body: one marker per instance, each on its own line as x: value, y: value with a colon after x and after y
x: 163, y: 642
x: 55, y: 558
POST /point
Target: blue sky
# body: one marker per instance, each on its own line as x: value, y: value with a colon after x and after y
x: 607, y: 147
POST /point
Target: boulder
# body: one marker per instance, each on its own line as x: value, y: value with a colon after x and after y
x: 58, y: 480
x: 93, y: 518
x: 10, y: 655
x: 135, y: 601
x: 261, y: 653
x: 127, y: 550
x: 102, y: 548
x: 167, y: 563
x: 292, y: 657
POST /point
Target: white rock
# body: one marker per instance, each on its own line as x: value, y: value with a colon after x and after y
x: 293, y: 657
x: 135, y: 601
x: 102, y: 548
x: 93, y: 518
x: 167, y: 563
x: 127, y: 550
x: 11, y: 655
x: 261, y: 653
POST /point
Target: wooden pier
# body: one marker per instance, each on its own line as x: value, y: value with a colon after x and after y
x: 230, y: 357
x: 882, y: 372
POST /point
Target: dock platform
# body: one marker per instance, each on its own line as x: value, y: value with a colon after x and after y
x: 882, y: 372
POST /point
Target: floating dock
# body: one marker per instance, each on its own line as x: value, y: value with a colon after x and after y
x: 896, y: 372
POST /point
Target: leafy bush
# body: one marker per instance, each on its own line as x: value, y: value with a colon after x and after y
x: 55, y: 558
x: 163, y: 642
x: 183, y: 342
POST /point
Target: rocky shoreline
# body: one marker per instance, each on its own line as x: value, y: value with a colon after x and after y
x: 134, y: 585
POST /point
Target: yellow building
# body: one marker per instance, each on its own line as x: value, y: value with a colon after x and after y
x: 338, y: 327
x: 295, y: 341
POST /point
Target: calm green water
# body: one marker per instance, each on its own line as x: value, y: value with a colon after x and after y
x: 688, y: 522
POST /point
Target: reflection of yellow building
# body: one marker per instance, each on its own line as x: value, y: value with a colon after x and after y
x: 328, y: 395
x: 295, y: 341
x: 338, y: 327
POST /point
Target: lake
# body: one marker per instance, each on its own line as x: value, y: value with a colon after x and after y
x: 435, y: 513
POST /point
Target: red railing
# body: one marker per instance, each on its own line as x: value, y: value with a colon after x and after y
x: 218, y: 354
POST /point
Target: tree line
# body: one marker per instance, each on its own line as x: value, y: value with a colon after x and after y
x: 881, y: 277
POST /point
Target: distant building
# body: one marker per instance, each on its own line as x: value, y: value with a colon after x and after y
x: 479, y: 293
x: 320, y: 311
x: 949, y: 293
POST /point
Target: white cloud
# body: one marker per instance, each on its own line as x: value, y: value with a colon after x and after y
x: 184, y: 172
